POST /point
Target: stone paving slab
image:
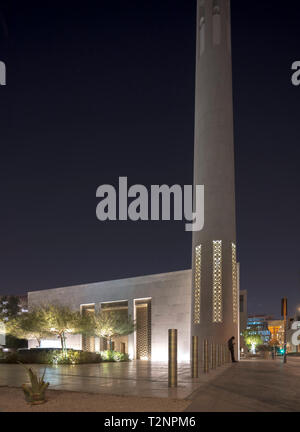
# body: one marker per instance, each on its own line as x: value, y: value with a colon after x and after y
x: 252, y: 386
x: 143, y: 379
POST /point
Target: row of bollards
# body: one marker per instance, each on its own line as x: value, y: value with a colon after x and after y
x: 214, y: 355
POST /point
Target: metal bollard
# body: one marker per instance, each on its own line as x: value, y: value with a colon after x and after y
x: 172, y: 358
x: 205, y: 356
x: 218, y: 355
x: 195, y: 357
x: 213, y: 355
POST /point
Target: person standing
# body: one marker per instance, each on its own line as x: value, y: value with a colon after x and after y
x: 231, y: 348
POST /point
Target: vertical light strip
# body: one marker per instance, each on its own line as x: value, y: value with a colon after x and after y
x: 234, y: 285
x: 197, y: 285
x: 217, y: 282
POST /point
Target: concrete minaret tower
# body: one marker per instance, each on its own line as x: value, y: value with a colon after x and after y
x: 215, y: 301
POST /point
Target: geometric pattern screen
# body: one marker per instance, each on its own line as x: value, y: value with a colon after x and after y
x: 143, y: 330
x: 217, y: 282
x: 197, y: 285
x: 234, y: 284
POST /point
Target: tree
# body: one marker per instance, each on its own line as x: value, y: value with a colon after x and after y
x: 252, y: 338
x: 29, y: 325
x: 61, y: 320
x: 110, y: 324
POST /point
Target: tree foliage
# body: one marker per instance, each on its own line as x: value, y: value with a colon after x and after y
x: 61, y: 320
x: 110, y: 324
x: 29, y: 325
x: 252, y: 337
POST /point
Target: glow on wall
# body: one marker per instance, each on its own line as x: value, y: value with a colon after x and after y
x: 197, y: 285
x: 217, y: 282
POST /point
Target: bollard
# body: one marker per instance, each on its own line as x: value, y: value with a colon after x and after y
x: 221, y: 355
x: 173, y: 358
x: 195, y: 357
x: 213, y: 355
x: 224, y: 354
x: 205, y: 356
x: 218, y: 355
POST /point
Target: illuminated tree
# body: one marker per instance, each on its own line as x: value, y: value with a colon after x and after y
x: 111, y: 324
x: 252, y: 338
x: 29, y: 325
x: 61, y: 320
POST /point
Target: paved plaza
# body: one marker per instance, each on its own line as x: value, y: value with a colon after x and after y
x: 251, y: 385
x: 138, y: 378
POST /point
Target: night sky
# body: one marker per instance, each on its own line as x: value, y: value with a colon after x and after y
x: 99, y: 90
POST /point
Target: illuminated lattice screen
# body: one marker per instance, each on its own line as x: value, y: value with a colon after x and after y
x: 234, y: 285
x: 197, y: 285
x: 217, y: 282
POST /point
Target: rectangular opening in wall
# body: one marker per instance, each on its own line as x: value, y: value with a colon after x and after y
x: 88, y: 342
x: 143, y: 329
x: 118, y: 342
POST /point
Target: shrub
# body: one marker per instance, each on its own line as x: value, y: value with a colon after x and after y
x: 75, y: 357
x: 51, y: 356
x: 58, y: 357
x: 114, y: 356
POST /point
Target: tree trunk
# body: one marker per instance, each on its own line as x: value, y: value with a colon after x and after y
x: 39, y: 342
x: 63, y: 342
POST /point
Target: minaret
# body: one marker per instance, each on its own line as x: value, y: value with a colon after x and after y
x: 215, y: 298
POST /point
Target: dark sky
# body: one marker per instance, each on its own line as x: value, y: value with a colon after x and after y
x: 98, y: 90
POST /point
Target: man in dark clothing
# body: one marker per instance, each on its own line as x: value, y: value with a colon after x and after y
x: 231, y: 348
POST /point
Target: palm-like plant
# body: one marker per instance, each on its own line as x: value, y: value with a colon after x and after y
x: 35, y: 393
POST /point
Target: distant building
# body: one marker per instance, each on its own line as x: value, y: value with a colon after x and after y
x: 243, y: 318
x: 276, y: 328
x: 243, y: 310
x: 259, y: 323
x: 10, y: 305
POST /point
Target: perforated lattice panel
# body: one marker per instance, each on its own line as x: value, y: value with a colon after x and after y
x: 143, y: 331
x: 234, y: 285
x: 217, y: 282
x: 197, y: 285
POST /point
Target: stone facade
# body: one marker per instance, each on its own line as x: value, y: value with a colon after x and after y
x: 170, y: 296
